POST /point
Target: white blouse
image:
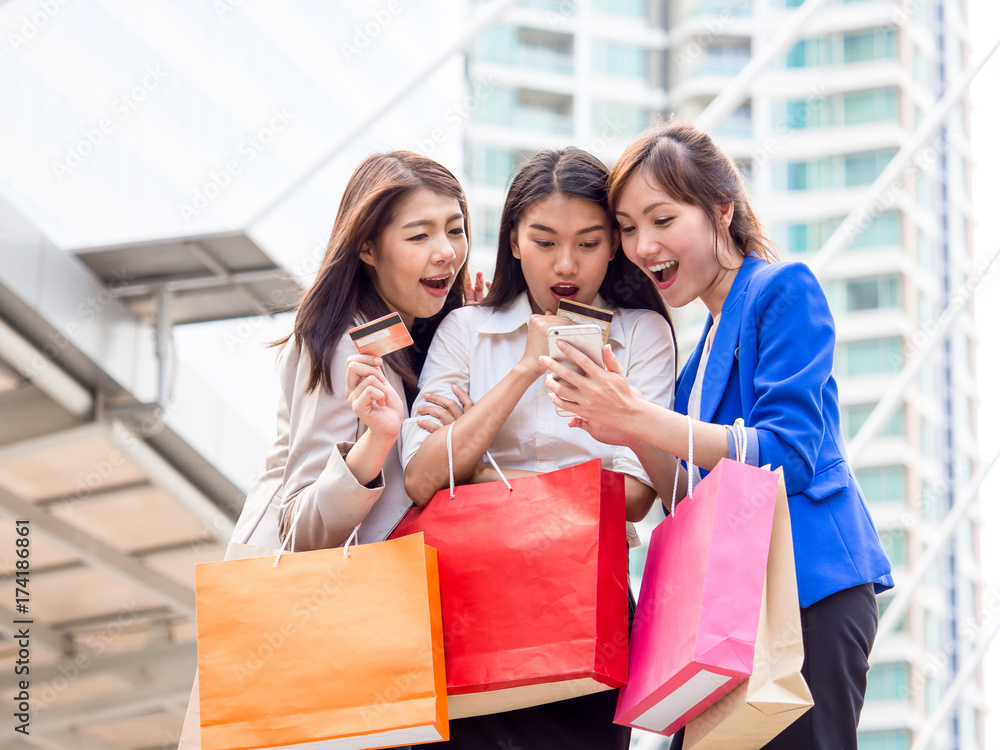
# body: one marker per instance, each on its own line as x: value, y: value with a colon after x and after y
x: 474, y: 348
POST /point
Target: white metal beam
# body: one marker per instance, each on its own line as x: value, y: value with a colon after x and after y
x: 736, y: 91
x: 52, y: 440
x: 488, y: 15
x: 180, y: 657
x: 44, y: 373
x: 100, y: 555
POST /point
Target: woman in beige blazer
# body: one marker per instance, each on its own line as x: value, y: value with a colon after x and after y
x: 399, y: 244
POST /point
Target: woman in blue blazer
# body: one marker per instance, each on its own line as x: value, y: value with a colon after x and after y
x: 766, y: 356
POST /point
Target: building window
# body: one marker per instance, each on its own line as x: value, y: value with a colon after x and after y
x: 870, y: 294
x: 855, y: 416
x: 809, y: 52
x: 875, y: 44
x: 491, y: 166
x: 807, y: 113
x: 613, y: 120
x: 882, y: 484
x: 619, y: 59
x: 633, y: 8
x: 863, y: 169
x: 883, y: 604
x: 810, y: 175
x: 875, y: 357
x: 806, y: 237
x: 871, y: 106
x: 884, y: 741
x: 888, y: 682
x: 883, y: 230
x: 894, y: 542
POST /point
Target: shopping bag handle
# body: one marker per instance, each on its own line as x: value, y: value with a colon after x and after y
x: 290, y: 536
x: 451, y: 464
x: 677, y: 467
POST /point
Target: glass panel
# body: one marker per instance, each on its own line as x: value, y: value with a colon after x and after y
x: 883, y: 230
x: 894, y: 543
x: 492, y: 166
x: 634, y: 8
x: 888, y: 682
x: 869, y: 294
x: 855, y: 416
x: 882, y: 484
x: 619, y: 59
x: 884, y: 741
x: 875, y: 357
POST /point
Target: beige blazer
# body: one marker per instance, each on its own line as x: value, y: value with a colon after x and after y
x: 305, y: 475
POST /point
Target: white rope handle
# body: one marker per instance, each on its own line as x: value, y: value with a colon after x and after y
x: 451, y: 464
x: 353, y: 537
x: 677, y: 467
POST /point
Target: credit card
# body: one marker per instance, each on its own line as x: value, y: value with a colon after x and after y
x: 581, y: 313
x: 382, y: 336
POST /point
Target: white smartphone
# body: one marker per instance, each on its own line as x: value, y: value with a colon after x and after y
x: 587, y: 337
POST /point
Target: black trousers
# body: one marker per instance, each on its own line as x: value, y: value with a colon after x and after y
x: 837, y: 635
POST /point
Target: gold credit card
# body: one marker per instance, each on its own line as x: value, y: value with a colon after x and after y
x: 581, y: 313
x: 382, y: 336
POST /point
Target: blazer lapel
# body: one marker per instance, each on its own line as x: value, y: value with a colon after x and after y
x: 723, y: 354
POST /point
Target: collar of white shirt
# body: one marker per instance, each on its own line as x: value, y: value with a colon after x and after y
x: 517, y: 313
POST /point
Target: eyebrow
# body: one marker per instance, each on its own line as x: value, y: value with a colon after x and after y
x: 424, y: 222
x: 647, y: 209
x: 544, y: 228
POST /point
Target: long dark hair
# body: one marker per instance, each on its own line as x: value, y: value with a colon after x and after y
x: 576, y: 173
x: 685, y: 163
x: 343, y: 293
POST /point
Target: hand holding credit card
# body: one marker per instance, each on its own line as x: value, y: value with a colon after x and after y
x: 583, y: 314
x: 381, y: 336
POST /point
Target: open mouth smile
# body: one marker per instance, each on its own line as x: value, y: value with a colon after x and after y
x: 437, y: 285
x: 664, y: 273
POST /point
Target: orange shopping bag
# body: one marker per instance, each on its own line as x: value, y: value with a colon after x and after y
x: 325, y: 650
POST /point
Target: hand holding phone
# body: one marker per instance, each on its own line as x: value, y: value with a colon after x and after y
x: 587, y: 338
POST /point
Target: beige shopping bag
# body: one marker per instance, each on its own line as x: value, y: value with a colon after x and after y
x: 776, y: 694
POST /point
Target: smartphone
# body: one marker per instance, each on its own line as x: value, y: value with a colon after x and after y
x: 588, y: 338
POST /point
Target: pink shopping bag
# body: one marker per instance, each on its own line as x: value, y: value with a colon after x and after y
x: 699, y: 605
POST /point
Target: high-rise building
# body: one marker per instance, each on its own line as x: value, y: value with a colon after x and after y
x: 556, y: 73
x: 816, y: 129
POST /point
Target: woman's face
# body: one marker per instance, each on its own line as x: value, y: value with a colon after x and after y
x: 564, y: 244
x: 417, y: 257
x: 674, y: 244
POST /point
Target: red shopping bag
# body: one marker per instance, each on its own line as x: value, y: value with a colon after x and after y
x: 699, y: 605
x: 533, y: 587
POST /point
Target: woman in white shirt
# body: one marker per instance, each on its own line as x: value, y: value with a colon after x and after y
x: 557, y: 241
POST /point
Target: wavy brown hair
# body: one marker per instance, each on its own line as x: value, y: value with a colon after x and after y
x: 343, y: 293
x: 685, y: 163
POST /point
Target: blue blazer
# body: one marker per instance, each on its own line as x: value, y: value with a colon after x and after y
x: 772, y: 363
